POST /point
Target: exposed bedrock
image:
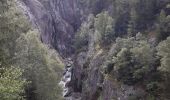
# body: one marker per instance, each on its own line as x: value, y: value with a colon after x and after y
x: 57, y: 21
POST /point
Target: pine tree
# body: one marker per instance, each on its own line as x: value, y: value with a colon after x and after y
x: 12, y: 24
x: 164, y: 25
x: 11, y: 84
x: 104, y: 28
x: 131, y: 65
x: 132, y: 22
x: 164, y: 51
x: 82, y: 36
x: 40, y: 68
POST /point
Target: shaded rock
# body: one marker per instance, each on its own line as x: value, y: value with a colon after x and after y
x: 57, y: 21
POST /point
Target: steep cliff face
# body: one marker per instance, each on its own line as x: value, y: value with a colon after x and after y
x: 57, y: 21
x: 84, y: 77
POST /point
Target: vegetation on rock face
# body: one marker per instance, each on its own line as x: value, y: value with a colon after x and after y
x: 23, y: 57
x: 12, y: 24
x: 41, y: 67
x: 82, y: 36
x: 131, y: 65
x: 101, y: 26
x: 11, y: 84
x: 164, y: 52
x: 164, y: 25
x: 30, y: 70
x: 104, y: 30
x: 141, y: 58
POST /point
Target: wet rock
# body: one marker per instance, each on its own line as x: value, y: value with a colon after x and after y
x: 67, y: 92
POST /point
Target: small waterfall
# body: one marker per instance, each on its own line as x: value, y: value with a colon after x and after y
x: 66, y: 79
x: 65, y: 82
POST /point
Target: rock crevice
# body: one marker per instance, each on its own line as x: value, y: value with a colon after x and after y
x: 57, y: 21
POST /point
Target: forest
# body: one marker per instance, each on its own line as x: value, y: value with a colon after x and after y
x: 84, y: 50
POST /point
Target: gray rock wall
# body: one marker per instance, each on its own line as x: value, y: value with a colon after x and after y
x: 57, y: 21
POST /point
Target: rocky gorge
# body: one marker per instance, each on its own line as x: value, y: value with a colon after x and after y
x: 84, y: 76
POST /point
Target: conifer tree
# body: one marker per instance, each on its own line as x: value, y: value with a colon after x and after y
x: 164, y: 51
x: 104, y: 28
x: 40, y: 68
x: 12, y: 24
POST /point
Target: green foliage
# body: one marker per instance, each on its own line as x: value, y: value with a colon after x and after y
x: 11, y: 84
x: 22, y: 47
x: 82, y: 36
x: 164, y: 52
x: 133, y: 60
x: 153, y: 88
x: 81, y: 39
x: 99, y: 29
x: 164, y: 26
x: 144, y: 61
x: 131, y: 30
x: 41, y: 66
x: 151, y: 97
x: 104, y: 28
x: 12, y: 24
x: 122, y: 66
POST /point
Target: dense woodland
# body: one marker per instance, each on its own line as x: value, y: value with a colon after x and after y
x: 139, y: 30
x: 27, y: 67
x: 140, y: 38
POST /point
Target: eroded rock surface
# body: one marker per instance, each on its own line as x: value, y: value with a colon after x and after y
x: 83, y: 79
x: 57, y: 21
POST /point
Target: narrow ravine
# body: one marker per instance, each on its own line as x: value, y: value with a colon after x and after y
x: 66, y: 82
x: 93, y: 36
